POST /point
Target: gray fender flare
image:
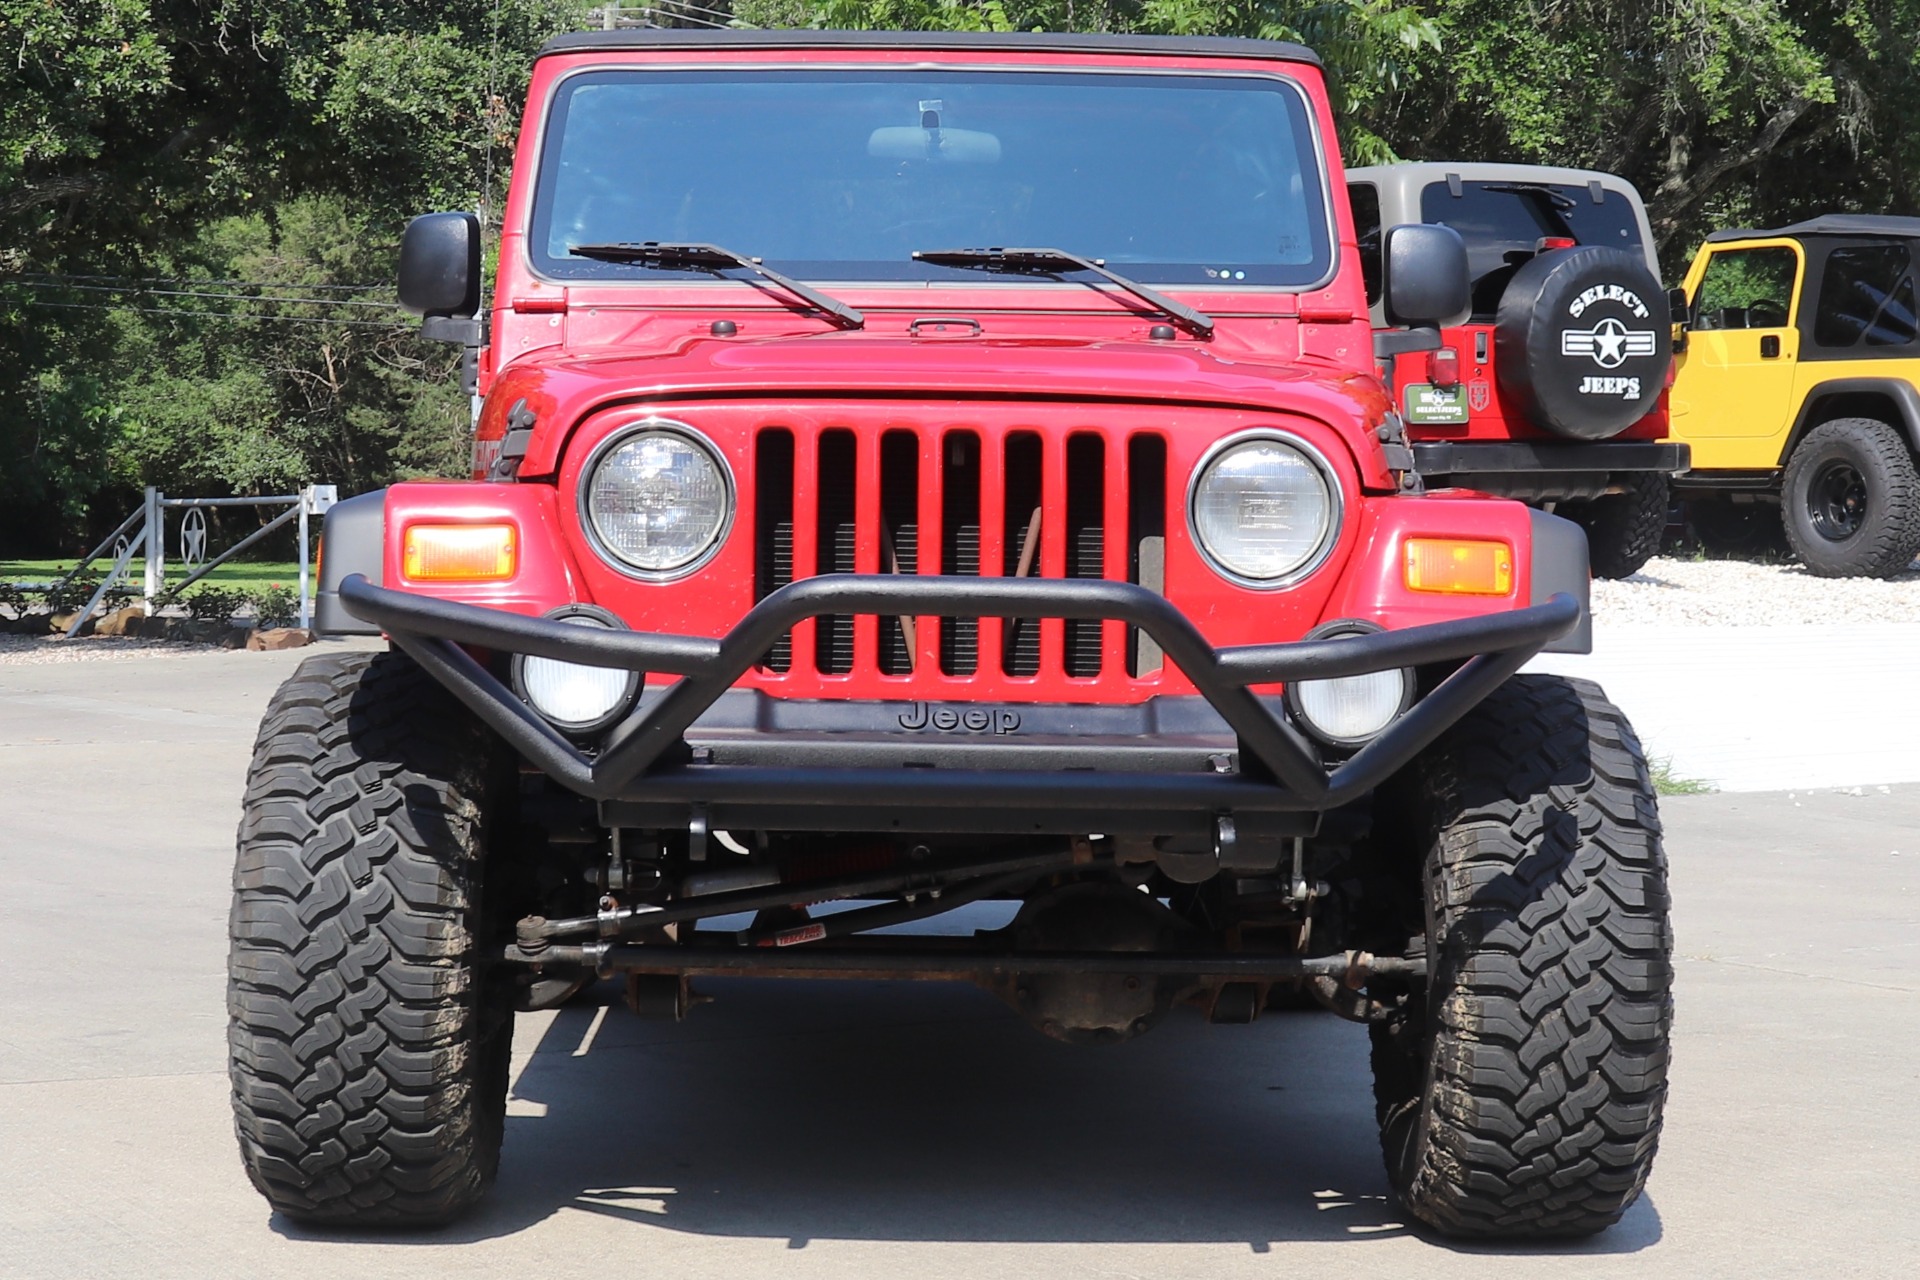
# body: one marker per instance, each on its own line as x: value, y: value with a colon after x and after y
x: 1560, y: 564
x: 353, y: 540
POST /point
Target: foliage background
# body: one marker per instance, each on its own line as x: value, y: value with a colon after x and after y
x: 201, y: 200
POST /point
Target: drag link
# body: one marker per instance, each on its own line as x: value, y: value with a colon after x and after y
x: 959, y: 962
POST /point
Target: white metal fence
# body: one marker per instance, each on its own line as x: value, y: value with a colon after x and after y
x: 151, y: 540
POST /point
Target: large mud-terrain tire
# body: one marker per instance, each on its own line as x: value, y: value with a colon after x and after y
x: 1524, y: 1099
x: 1623, y: 529
x: 1851, y: 501
x: 368, y: 1054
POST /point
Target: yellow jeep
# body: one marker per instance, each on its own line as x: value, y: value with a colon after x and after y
x: 1795, y: 383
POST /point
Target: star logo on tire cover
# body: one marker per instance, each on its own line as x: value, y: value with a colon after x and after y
x: 1610, y: 343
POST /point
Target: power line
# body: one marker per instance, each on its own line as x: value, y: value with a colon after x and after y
x: 218, y: 315
x: 192, y: 293
x: 233, y: 284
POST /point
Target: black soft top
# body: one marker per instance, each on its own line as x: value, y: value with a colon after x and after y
x: 650, y: 38
x: 1831, y: 224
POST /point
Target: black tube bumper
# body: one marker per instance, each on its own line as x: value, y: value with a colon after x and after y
x: 646, y: 773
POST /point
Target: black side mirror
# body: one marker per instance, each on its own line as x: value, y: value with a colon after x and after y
x: 440, y: 275
x: 1425, y: 280
x: 1677, y: 307
x: 1682, y: 318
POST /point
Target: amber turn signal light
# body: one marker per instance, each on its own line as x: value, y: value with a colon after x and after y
x: 1459, y: 566
x: 459, y: 552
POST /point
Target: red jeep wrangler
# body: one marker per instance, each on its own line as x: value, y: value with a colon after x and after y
x: 1551, y: 387
x: 832, y: 561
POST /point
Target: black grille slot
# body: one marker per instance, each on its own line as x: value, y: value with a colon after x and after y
x: 1146, y: 539
x: 1020, y: 650
x: 1086, y: 543
x: 773, y: 528
x: 960, y: 546
x: 899, y: 539
x: 833, y: 634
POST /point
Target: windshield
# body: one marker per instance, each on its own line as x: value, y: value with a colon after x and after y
x: 841, y: 175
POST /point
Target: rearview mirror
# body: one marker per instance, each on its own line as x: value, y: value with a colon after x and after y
x: 440, y: 273
x: 954, y: 146
x: 1425, y: 281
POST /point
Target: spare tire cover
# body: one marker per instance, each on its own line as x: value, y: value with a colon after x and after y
x: 1583, y: 340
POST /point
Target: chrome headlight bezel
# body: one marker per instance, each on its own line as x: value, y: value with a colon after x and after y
x: 635, y: 681
x: 1329, y: 480
x: 1409, y: 682
x: 625, y: 435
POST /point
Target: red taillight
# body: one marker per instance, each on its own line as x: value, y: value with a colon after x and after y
x: 1547, y: 244
x: 1443, y: 367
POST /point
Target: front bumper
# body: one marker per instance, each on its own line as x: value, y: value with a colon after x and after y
x: 646, y: 772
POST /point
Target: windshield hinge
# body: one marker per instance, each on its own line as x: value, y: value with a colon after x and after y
x: 1392, y: 434
x: 513, y: 447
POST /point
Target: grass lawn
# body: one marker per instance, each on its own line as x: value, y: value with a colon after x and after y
x: 242, y: 575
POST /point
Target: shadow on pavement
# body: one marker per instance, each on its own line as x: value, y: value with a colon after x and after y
x: 930, y: 1112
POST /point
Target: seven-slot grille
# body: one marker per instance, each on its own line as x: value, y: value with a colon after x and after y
x: 952, y: 501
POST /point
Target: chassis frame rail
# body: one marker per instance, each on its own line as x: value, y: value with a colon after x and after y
x: 632, y: 763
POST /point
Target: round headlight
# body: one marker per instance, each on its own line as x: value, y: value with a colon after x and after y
x: 1263, y: 510
x: 658, y: 500
x: 1348, y: 711
x: 573, y: 696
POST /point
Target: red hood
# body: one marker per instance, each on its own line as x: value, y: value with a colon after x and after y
x: 562, y: 390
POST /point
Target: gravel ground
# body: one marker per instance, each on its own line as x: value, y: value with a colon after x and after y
x: 35, y: 650
x: 1741, y: 593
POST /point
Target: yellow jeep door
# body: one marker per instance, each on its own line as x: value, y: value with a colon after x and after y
x: 1733, y: 385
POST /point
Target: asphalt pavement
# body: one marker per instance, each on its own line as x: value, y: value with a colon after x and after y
x: 882, y: 1129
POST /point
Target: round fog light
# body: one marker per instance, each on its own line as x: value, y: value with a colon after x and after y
x: 571, y: 695
x: 1350, y: 710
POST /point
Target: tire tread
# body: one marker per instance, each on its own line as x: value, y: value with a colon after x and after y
x: 1550, y: 1003
x: 368, y: 1073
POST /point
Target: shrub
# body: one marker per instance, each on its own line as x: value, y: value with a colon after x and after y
x: 275, y: 606
x: 211, y: 604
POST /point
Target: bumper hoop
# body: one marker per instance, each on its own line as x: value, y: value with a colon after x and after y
x: 634, y: 763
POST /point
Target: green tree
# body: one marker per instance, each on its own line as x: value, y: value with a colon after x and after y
x: 1719, y: 110
x: 130, y: 127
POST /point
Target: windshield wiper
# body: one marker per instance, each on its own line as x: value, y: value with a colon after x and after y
x: 672, y: 256
x: 1050, y: 262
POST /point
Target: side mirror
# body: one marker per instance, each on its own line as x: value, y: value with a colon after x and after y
x: 1682, y: 318
x: 440, y: 275
x: 1425, y: 281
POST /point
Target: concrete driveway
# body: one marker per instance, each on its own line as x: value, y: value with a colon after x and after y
x: 877, y: 1129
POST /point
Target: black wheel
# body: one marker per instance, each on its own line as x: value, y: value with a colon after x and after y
x: 1522, y: 1097
x: 1851, y: 502
x: 1623, y: 529
x: 1728, y: 528
x: 368, y: 1051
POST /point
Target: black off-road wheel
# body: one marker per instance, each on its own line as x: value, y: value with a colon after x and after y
x: 1851, y: 503
x: 1522, y: 1098
x: 368, y: 1049
x: 1623, y: 529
